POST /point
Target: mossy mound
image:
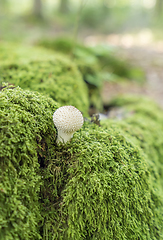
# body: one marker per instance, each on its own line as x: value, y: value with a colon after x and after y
x: 145, y: 124
x: 54, y: 75
x: 107, y: 190
x: 111, y: 184
x: 104, y: 184
x: 25, y: 121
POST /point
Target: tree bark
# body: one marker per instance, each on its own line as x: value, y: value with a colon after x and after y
x: 159, y: 7
x: 64, y: 6
x: 37, y: 8
x: 3, y: 5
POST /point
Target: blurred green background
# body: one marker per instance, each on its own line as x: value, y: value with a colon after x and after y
x: 110, y: 41
x: 29, y: 20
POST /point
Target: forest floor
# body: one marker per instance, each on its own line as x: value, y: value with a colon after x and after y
x: 145, y: 54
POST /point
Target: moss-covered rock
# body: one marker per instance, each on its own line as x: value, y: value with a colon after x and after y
x: 25, y: 122
x: 54, y: 75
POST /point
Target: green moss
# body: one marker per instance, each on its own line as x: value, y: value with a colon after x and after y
x: 104, y: 184
x: 107, y: 190
x: 25, y: 121
x: 111, y: 180
x: 54, y: 75
x: 145, y: 125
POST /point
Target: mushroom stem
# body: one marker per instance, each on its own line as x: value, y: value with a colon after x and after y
x: 63, y: 137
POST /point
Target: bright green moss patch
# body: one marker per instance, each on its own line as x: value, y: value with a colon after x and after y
x: 53, y: 75
x: 25, y: 121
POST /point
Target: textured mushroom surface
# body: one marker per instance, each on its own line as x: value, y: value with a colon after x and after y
x: 67, y: 120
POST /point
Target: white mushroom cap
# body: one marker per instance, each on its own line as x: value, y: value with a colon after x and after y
x: 67, y: 120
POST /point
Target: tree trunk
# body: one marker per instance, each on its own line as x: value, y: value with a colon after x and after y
x: 3, y: 5
x: 159, y: 7
x: 64, y: 6
x: 37, y: 8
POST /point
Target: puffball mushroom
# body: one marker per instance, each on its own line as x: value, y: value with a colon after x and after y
x: 67, y: 120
